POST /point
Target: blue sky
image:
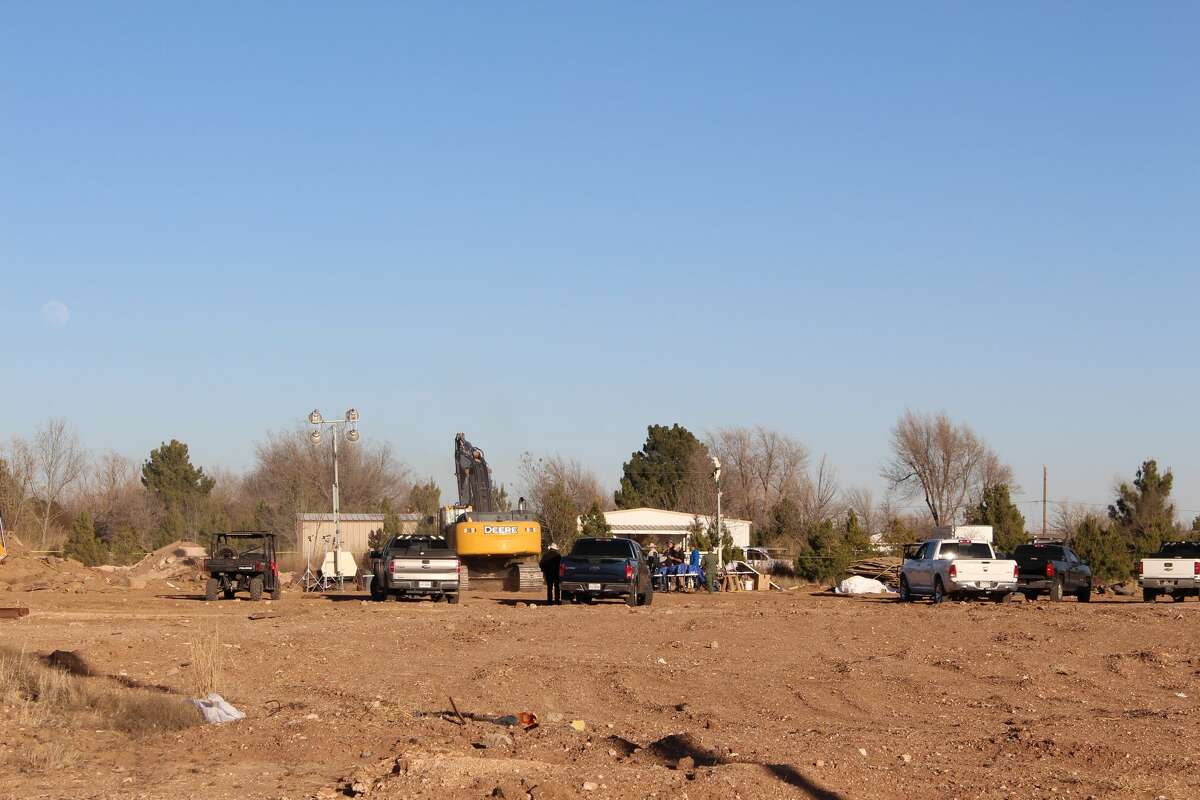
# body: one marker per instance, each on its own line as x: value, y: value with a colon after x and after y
x: 549, y: 225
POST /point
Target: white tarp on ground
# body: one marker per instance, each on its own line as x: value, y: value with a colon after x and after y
x: 216, y: 709
x: 857, y: 584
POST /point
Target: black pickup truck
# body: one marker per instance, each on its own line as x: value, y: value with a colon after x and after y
x: 1053, y: 569
x: 615, y: 568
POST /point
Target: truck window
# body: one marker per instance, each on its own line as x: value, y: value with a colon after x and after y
x: 952, y: 550
x: 1032, y: 552
x: 1180, y: 550
x: 601, y: 548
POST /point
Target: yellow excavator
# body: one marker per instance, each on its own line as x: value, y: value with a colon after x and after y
x: 495, y: 548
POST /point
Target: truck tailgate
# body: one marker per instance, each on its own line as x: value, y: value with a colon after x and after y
x: 1169, y: 568
x: 600, y: 570
x: 978, y: 569
x: 424, y: 569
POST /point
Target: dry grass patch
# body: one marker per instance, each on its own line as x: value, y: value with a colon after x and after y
x: 206, y: 664
x: 33, y: 694
x: 42, y: 757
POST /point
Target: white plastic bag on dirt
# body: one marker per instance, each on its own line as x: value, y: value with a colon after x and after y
x: 216, y: 709
x: 856, y: 584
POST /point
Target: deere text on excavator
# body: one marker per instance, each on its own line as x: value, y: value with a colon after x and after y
x: 493, y: 546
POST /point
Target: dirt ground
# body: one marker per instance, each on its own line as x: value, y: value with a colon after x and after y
x: 785, y: 694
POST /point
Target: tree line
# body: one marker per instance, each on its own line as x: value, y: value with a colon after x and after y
x: 109, y: 508
x: 938, y: 473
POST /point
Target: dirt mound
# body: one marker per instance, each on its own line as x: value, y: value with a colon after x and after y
x: 177, y: 561
x: 31, y: 574
x: 164, y: 569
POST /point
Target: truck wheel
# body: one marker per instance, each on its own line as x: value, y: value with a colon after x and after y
x: 1149, y: 595
x: 229, y: 591
x: 256, y: 587
x: 1084, y: 595
x: 1056, y: 591
x: 632, y: 599
x: 939, y: 591
x: 377, y: 592
x: 905, y: 594
x: 452, y: 599
x: 1030, y: 596
x: 211, y: 588
x: 648, y: 597
x: 277, y: 592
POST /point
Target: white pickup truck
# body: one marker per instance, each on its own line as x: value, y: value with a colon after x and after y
x: 416, y: 566
x: 1174, y: 570
x: 954, y: 568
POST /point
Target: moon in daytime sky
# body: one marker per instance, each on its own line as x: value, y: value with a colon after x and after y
x: 56, y: 314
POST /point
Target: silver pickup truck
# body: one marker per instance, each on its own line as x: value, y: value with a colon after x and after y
x: 415, y: 566
x: 949, y: 568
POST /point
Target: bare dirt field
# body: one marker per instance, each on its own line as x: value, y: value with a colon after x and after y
x: 785, y: 694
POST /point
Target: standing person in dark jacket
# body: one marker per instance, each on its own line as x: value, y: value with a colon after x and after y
x: 550, y: 562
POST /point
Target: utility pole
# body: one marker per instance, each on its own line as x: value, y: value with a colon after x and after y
x: 1044, y: 478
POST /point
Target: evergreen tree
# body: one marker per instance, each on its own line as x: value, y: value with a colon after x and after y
x: 996, y: 508
x: 658, y: 474
x: 169, y: 474
x: 171, y: 528
x: 392, y: 524
x: 182, y: 491
x: 376, y: 539
x: 784, y: 522
x: 124, y: 547
x: 858, y: 540
x: 1103, y: 549
x: 725, y: 540
x: 594, y: 524
x: 559, y: 516
x: 424, y: 498
x: 82, y: 543
x: 500, y: 501
x: 824, y: 553
x: 1143, y: 514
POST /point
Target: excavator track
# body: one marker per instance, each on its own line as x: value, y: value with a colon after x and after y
x: 529, y: 577
x: 522, y: 577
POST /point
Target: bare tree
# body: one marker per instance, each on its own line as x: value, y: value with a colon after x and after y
x: 17, y: 469
x: 946, y: 464
x: 1067, y: 517
x: 758, y: 467
x: 292, y: 475
x: 60, y: 462
x: 818, y: 495
x: 862, y: 502
x: 113, y: 494
x: 539, y: 475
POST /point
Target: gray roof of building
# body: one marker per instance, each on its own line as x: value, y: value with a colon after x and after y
x: 357, y: 517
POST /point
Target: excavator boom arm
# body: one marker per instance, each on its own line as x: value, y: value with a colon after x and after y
x: 474, y: 475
